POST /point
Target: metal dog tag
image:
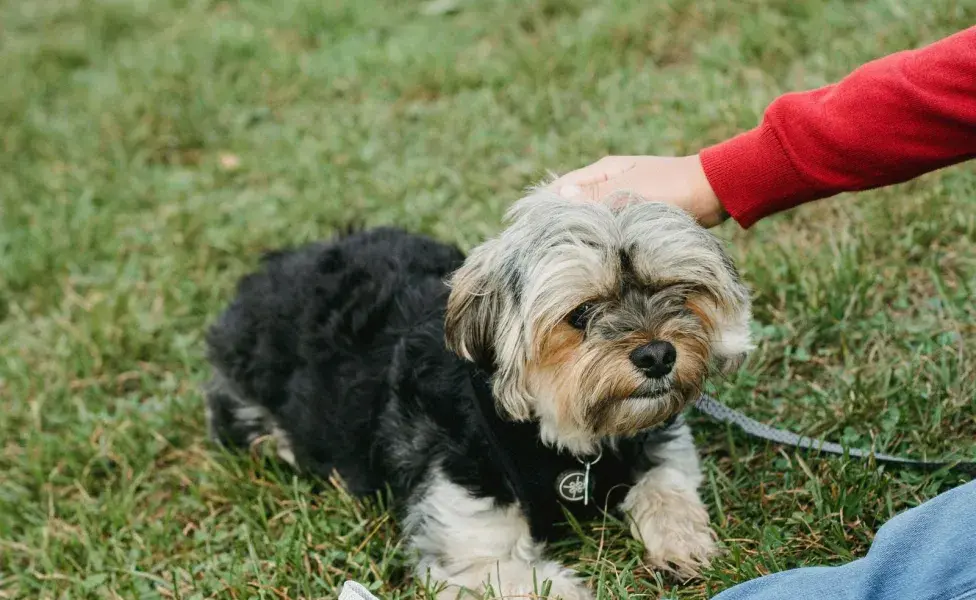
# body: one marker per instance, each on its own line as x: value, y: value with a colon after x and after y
x: 574, y: 485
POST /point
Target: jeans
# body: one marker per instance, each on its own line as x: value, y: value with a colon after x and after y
x: 926, y: 553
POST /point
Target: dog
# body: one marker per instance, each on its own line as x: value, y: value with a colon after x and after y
x: 545, y: 372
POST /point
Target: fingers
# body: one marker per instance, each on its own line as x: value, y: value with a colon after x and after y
x: 578, y: 182
x: 569, y: 191
x: 571, y: 187
x: 592, y: 189
x: 591, y: 192
x: 679, y: 181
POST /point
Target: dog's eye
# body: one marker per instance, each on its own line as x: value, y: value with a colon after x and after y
x: 581, y: 315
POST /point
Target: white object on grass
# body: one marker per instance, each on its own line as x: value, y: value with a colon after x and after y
x: 355, y: 591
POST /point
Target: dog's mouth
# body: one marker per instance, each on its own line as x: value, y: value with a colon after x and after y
x: 647, y: 397
x: 652, y: 390
x: 636, y: 413
x: 647, y: 406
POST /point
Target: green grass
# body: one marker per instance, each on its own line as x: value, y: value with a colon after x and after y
x: 151, y: 150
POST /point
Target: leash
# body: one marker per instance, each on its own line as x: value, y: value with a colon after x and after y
x: 725, y: 414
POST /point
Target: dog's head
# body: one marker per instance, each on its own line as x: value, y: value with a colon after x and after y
x: 596, y: 320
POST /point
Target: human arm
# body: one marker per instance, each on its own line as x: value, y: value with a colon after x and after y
x: 889, y: 121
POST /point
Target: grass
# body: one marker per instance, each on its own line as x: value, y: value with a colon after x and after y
x: 152, y: 149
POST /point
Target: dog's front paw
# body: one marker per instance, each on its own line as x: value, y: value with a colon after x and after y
x: 676, y: 533
x: 685, y: 554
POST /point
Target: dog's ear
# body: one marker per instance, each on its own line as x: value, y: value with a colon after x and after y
x: 734, y: 341
x: 729, y: 324
x: 473, y: 307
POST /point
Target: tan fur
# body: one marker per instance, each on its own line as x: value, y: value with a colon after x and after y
x: 703, y: 310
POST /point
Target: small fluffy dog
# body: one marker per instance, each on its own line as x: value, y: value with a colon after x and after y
x: 547, y: 371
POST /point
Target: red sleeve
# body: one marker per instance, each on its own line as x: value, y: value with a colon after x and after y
x: 889, y: 121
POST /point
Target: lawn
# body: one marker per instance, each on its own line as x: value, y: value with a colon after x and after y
x: 152, y: 149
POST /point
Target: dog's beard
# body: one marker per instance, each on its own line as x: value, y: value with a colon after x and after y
x: 586, y: 388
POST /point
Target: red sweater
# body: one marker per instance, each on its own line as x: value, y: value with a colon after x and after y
x: 889, y: 121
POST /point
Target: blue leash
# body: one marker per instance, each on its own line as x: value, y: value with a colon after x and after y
x: 725, y: 414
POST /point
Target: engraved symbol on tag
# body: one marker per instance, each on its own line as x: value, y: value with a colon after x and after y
x: 574, y: 485
x: 571, y: 486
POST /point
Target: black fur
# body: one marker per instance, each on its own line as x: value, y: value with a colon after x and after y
x: 342, y: 345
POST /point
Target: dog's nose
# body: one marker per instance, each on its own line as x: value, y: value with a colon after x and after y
x: 655, y: 359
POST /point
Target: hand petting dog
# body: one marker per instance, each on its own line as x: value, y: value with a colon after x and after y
x: 679, y: 181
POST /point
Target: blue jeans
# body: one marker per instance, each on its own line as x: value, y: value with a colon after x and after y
x: 926, y: 553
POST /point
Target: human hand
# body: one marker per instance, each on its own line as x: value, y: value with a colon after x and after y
x: 679, y: 181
